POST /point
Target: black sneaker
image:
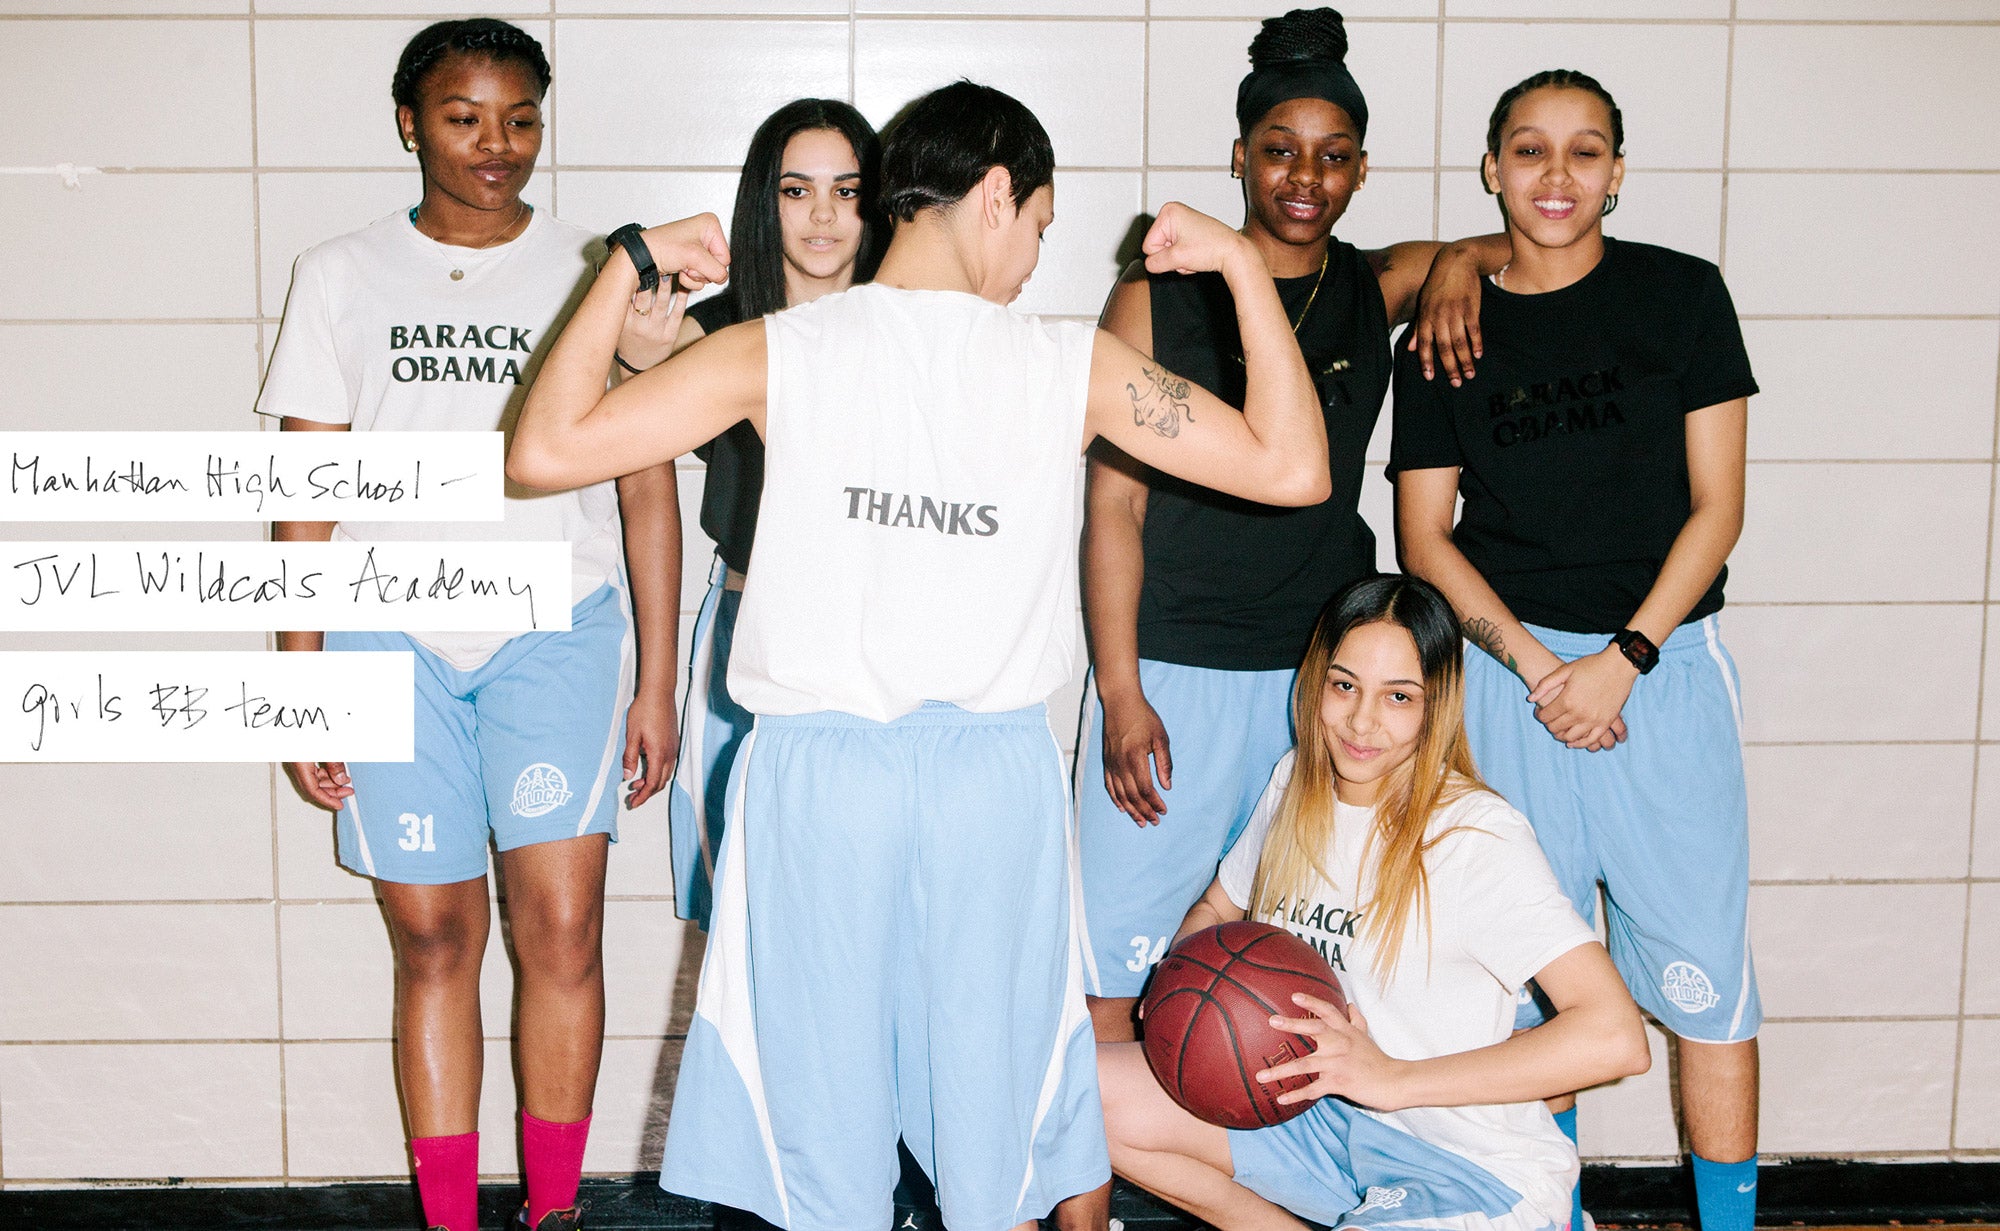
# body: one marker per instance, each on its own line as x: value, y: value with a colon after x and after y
x: 555, y: 1220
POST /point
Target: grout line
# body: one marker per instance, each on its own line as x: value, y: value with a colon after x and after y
x: 358, y: 13
x: 1972, y: 831
x: 1437, y: 133
x: 1728, y: 101
x: 1386, y: 168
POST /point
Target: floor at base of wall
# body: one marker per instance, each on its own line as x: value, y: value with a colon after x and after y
x: 1807, y: 1193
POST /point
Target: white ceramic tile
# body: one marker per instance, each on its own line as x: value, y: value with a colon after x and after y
x: 1632, y: 1118
x: 61, y: 113
x: 341, y: 1114
x: 615, y: 117
x: 1790, y: 79
x: 1791, y: 246
x: 1005, y: 8
x: 1840, y: 1087
x: 1982, y: 959
x: 708, y: 8
x: 645, y: 947
x: 1857, y: 950
x: 1798, y: 686
x: 307, y: 866
x: 1622, y: 9
x: 1211, y: 192
x: 441, y: 8
x: 1979, y: 1087
x: 1842, y: 532
x: 1817, y: 811
x: 1095, y: 212
x: 150, y: 8
x: 641, y: 861
x: 1081, y: 79
x: 82, y: 377
x: 1838, y: 389
x: 339, y: 976
x: 1191, y: 114
x: 184, y: 250
x: 1986, y: 815
x: 1378, y: 509
x: 309, y: 71
x: 1263, y: 8
x: 184, y: 971
x: 140, y: 1111
x: 1866, y: 10
x: 602, y: 200
x: 635, y: 1090
x: 1668, y: 80
x: 1681, y: 210
x: 180, y: 832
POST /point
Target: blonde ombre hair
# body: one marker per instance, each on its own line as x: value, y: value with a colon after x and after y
x: 1438, y: 772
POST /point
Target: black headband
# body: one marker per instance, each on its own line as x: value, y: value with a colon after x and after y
x: 1266, y: 87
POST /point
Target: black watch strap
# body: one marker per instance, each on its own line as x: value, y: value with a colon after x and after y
x: 1638, y: 649
x: 628, y: 237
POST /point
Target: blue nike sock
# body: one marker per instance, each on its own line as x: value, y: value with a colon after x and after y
x: 1725, y: 1194
x: 1566, y: 1121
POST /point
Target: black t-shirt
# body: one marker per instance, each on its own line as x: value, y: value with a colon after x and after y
x: 735, y: 461
x: 1572, y: 438
x: 1230, y: 584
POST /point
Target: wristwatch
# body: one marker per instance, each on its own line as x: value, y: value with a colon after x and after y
x: 628, y: 238
x: 1638, y: 649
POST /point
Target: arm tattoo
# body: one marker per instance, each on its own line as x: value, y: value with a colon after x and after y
x: 1162, y: 404
x: 1485, y: 634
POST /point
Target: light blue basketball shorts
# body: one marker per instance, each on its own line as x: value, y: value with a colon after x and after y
x: 713, y: 726
x: 892, y: 951
x: 1226, y: 730
x: 1336, y: 1164
x: 525, y: 747
x: 1662, y: 821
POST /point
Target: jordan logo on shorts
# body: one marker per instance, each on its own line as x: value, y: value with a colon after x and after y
x: 540, y: 790
x: 1687, y: 988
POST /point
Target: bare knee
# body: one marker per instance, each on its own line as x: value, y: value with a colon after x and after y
x: 438, y: 941
x: 558, y: 936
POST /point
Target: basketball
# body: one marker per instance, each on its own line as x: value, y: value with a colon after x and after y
x: 1207, y: 1020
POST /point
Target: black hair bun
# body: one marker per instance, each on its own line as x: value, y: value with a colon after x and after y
x: 1302, y: 34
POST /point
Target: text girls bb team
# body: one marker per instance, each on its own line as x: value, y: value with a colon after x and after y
x: 941, y: 252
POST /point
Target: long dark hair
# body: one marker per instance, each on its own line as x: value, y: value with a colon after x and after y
x: 757, y: 238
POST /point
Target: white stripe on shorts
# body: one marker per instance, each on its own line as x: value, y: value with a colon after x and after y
x: 619, y: 700
x: 1086, y: 728
x: 1075, y: 1012
x: 725, y: 980
x: 360, y: 834
x: 693, y: 769
x: 1722, y: 665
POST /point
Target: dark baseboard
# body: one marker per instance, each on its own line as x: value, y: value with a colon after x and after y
x: 1807, y: 1193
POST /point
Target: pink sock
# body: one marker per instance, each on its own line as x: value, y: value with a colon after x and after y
x: 553, y: 1154
x: 448, y: 1180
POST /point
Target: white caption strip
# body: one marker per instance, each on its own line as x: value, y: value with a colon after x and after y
x: 251, y: 476
x: 205, y: 705
x: 473, y: 587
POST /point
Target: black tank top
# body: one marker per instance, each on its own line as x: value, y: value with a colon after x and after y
x: 735, y: 480
x: 1234, y: 585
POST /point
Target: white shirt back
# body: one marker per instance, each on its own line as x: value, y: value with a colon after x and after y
x: 916, y: 540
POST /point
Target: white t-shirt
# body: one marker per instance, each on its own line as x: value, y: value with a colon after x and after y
x: 916, y: 539
x: 1496, y: 918
x: 379, y: 336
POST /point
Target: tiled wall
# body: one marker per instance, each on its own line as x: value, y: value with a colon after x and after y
x: 190, y: 988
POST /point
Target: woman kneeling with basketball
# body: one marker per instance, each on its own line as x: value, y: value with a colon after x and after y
x: 1377, y: 843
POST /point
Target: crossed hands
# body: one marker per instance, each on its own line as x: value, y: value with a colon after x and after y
x: 1344, y: 1061
x: 1579, y: 702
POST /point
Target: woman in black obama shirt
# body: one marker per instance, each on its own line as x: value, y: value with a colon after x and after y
x: 1599, y: 448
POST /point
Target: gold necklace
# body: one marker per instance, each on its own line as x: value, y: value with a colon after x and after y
x: 1307, y: 310
x: 521, y: 210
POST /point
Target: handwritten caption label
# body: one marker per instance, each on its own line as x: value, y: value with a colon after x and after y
x: 205, y: 705
x: 251, y: 476
x: 474, y: 587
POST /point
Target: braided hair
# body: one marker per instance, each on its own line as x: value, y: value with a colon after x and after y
x: 1300, y: 55
x: 1560, y: 78
x: 1302, y: 34
x: 480, y: 36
